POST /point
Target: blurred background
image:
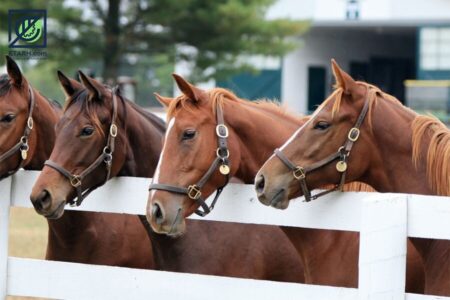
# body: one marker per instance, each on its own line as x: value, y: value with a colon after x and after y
x: 257, y: 48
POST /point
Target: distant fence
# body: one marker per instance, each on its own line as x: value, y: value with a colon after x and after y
x: 384, y: 222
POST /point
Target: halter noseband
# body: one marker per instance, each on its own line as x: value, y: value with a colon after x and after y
x: 105, y: 157
x: 193, y: 191
x: 22, y: 145
x: 342, y: 154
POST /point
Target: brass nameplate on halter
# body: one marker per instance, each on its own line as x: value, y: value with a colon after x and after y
x: 224, y: 169
x: 341, y: 166
x: 24, y: 154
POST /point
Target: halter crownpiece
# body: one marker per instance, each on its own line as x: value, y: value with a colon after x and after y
x: 105, y: 157
x: 22, y: 146
x: 221, y: 161
x: 341, y: 155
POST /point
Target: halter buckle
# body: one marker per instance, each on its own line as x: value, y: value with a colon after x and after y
x: 353, y: 134
x: 227, y: 153
x: 113, y: 130
x: 75, y: 181
x: 193, y: 192
x: 30, y: 123
x: 222, y: 131
x: 299, y: 173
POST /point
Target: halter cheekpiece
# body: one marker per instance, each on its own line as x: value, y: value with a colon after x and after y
x: 341, y: 155
x: 221, y: 161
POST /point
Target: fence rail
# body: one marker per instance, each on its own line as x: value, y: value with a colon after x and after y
x: 384, y: 221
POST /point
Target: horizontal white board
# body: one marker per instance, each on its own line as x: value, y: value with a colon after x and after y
x: 29, y: 277
x: 428, y: 216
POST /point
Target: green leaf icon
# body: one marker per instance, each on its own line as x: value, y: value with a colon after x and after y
x: 30, y: 33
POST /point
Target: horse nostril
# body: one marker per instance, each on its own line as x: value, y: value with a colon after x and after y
x: 157, y: 213
x: 260, y: 182
x: 43, y: 201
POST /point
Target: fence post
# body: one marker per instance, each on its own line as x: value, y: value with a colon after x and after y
x: 382, y: 250
x: 5, y: 201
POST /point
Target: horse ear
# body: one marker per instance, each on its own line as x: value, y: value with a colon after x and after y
x: 95, y: 88
x: 14, y: 71
x: 191, y: 91
x: 343, y: 80
x: 165, y: 101
x: 68, y: 85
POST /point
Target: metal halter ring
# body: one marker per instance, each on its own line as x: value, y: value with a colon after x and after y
x: 222, y: 131
x: 113, y: 130
x: 108, y: 155
x: 25, y: 147
x: 220, y: 156
x: 75, y: 181
x: 193, y: 192
x: 30, y: 123
x: 353, y: 134
x: 299, y: 173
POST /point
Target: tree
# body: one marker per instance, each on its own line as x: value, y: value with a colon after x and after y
x: 119, y: 35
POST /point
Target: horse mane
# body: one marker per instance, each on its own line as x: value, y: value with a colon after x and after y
x: 155, y: 120
x: 424, y: 128
x: 219, y: 96
x: 437, y: 154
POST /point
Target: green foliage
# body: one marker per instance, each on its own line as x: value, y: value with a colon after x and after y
x: 152, y: 35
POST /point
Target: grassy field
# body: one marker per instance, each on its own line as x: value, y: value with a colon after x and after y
x: 27, y: 236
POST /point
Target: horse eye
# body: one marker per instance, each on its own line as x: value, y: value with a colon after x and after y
x: 322, y: 125
x: 188, y: 134
x: 8, y: 118
x: 87, y: 131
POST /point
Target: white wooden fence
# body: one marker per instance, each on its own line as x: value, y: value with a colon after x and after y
x: 384, y: 221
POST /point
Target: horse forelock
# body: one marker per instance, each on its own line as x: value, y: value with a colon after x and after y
x: 81, y: 104
x: 5, y: 84
x: 437, y: 153
x: 373, y: 96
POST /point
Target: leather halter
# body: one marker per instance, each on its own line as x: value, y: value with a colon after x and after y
x: 341, y: 155
x: 106, y: 157
x: 193, y: 191
x: 22, y: 145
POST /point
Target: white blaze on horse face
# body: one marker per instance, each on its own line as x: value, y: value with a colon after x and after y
x: 161, y: 156
x: 296, y: 133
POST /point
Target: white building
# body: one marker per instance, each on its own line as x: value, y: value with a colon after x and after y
x: 380, y: 41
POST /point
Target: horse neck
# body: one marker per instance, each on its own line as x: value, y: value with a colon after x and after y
x: 143, y: 143
x: 259, y: 131
x: 42, y: 137
x: 392, y: 168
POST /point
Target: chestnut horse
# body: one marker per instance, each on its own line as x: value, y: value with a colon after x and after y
x: 213, y: 248
x: 254, y: 129
x: 392, y: 148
